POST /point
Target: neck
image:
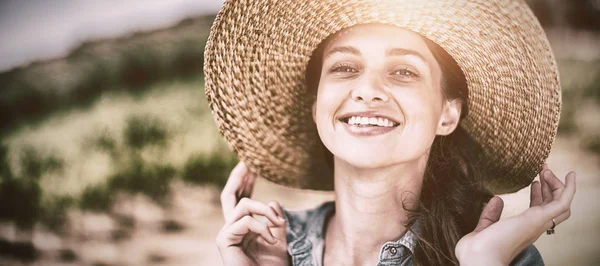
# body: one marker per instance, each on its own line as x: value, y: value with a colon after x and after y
x: 371, y: 202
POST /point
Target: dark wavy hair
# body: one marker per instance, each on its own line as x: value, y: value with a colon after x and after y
x: 452, y: 195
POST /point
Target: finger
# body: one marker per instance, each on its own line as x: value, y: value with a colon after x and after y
x: 535, y: 197
x: 236, y: 178
x: 554, y: 184
x: 234, y: 182
x: 563, y: 203
x: 490, y: 214
x: 249, y: 207
x: 568, y: 193
x: 249, y: 185
x: 236, y: 231
x: 546, y: 193
x: 278, y: 231
x: 228, y: 202
x: 277, y: 208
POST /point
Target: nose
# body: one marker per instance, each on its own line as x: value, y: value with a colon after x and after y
x: 371, y: 89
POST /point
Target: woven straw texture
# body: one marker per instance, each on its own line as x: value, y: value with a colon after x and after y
x: 258, y: 51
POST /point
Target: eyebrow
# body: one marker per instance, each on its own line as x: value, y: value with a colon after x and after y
x: 388, y: 52
x: 402, y: 52
x: 342, y: 49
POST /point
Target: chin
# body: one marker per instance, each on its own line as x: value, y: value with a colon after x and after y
x: 371, y: 152
x: 371, y: 164
x: 372, y: 155
x: 369, y: 158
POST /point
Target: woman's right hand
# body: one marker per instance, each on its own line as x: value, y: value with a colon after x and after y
x: 244, y: 240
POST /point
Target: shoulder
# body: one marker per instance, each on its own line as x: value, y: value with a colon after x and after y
x: 529, y: 256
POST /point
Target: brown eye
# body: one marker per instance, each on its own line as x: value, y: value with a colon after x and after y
x: 405, y: 73
x: 343, y: 69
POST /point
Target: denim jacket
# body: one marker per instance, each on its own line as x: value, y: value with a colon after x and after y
x: 306, y: 241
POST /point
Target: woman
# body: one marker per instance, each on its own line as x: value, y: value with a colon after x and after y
x: 423, y: 110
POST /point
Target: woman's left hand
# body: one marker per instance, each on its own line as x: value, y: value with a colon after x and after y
x: 499, y: 242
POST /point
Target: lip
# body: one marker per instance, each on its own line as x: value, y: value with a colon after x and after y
x: 368, y: 114
x: 367, y: 131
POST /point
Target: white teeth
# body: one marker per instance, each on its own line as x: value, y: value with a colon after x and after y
x: 376, y: 121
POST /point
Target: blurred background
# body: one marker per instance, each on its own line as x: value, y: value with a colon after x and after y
x: 109, y: 154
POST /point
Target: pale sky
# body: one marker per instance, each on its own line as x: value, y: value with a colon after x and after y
x: 40, y: 29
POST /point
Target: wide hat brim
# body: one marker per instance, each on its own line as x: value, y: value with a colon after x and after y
x: 257, y: 54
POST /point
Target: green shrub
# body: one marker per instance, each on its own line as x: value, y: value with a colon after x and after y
x: 592, y: 90
x: 92, y: 84
x: 188, y: 59
x: 67, y: 255
x: 140, y: 67
x: 34, y: 165
x: 105, y: 142
x: 150, y: 180
x: 97, y: 198
x: 54, y: 210
x: 5, y: 171
x: 208, y: 169
x: 142, y: 131
x: 592, y: 144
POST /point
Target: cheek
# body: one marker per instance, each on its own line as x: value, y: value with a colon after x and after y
x: 421, y: 113
x: 421, y: 109
x: 329, y: 99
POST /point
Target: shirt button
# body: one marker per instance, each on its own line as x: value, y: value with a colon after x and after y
x: 393, y: 250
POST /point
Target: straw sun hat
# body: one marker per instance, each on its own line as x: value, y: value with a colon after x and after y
x: 258, y: 51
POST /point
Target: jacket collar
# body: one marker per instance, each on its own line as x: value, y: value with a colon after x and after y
x: 305, y: 230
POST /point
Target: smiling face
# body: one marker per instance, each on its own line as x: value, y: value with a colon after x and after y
x: 380, y: 100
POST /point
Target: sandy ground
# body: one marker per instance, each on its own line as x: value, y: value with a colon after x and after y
x: 197, y: 212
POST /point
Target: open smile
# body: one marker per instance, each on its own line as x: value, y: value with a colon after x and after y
x: 368, y: 123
